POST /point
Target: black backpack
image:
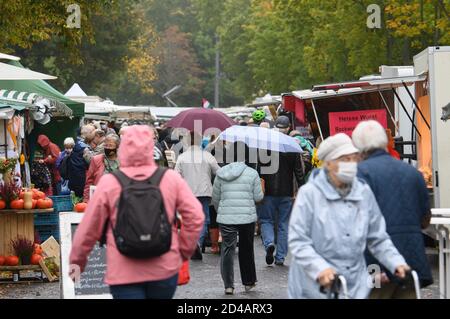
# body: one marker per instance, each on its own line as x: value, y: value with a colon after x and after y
x: 142, y: 227
x: 63, y: 168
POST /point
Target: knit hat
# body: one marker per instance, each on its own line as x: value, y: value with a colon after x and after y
x: 336, y: 146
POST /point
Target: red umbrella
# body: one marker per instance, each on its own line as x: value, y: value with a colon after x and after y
x: 201, y: 119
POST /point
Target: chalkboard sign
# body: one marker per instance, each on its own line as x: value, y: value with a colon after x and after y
x: 91, y: 284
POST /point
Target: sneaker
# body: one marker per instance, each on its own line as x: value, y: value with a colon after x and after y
x: 249, y: 287
x: 197, y: 254
x: 229, y: 291
x: 279, y: 262
x: 269, y: 254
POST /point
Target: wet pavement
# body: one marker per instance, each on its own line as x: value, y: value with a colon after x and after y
x: 206, y: 282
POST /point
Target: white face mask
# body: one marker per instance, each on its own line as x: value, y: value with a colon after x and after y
x: 347, y: 172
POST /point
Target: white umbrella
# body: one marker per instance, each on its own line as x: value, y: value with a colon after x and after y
x: 10, y: 72
x: 261, y: 138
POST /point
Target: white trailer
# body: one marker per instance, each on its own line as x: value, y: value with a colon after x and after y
x: 434, y: 63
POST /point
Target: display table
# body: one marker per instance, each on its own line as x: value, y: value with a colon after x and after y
x: 441, y: 221
x: 14, y: 223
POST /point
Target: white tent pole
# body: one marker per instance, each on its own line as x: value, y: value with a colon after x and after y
x: 317, y: 119
x: 390, y: 114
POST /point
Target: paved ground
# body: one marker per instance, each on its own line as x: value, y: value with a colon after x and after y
x: 206, y: 282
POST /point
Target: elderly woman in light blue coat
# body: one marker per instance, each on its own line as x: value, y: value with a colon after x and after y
x: 334, y: 219
x: 237, y: 189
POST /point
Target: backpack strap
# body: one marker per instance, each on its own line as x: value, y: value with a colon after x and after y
x: 123, y: 179
x: 157, y: 176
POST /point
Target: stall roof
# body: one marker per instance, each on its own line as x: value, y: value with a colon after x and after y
x: 18, y: 106
x: 355, y: 87
x: 11, y: 72
x: 43, y: 89
x: 4, y: 56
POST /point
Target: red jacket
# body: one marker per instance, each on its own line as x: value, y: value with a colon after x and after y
x: 53, y: 151
x: 93, y: 174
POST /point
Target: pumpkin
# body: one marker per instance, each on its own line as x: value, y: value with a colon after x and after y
x: 80, y: 207
x: 21, y: 195
x: 40, y: 195
x: 34, y: 201
x: 2, y: 204
x: 35, y: 195
x: 2, y: 260
x: 35, y: 258
x: 12, y: 261
x: 37, y: 249
x: 16, y: 204
x: 44, y: 203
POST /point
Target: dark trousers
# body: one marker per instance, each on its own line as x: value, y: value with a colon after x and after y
x: 161, y: 289
x: 246, y: 253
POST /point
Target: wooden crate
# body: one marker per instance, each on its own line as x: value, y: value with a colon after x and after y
x: 12, y: 226
x: 7, y: 274
x: 14, y: 223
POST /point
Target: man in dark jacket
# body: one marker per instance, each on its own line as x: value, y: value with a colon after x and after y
x: 76, y: 164
x: 278, y: 199
x: 403, y: 198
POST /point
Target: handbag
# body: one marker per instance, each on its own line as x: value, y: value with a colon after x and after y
x: 184, y: 275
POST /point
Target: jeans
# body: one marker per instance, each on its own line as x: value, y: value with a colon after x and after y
x: 162, y: 289
x: 205, y: 201
x: 267, y: 214
x: 246, y: 253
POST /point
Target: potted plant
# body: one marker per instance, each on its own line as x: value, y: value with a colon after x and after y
x: 23, y: 249
x: 10, y: 193
x: 7, y: 165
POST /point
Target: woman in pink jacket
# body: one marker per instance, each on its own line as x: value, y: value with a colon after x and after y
x: 129, y: 278
x: 102, y: 164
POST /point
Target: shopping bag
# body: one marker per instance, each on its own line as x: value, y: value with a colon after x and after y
x: 183, y: 275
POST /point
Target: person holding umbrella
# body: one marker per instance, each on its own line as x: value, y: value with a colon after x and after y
x: 197, y: 167
x: 237, y: 189
x: 279, y: 193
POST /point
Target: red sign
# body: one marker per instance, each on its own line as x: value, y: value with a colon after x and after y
x: 345, y: 122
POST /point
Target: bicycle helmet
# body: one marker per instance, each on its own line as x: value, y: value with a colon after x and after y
x: 258, y: 116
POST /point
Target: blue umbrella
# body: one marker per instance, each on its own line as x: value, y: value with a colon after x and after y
x: 261, y: 138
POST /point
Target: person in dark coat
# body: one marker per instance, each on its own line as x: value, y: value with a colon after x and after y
x: 402, y: 195
x: 77, y: 166
x: 278, y: 173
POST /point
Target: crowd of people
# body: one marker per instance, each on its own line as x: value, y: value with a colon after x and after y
x: 337, y: 207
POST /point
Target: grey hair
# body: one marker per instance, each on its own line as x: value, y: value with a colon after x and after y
x: 69, y: 142
x: 113, y: 137
x: 99, y: 132
x: 369, y: 136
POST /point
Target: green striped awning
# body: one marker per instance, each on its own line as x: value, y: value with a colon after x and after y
x: 18, y: 99
x: 18, y: 106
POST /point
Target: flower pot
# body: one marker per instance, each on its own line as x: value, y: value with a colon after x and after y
x: 25, y: 259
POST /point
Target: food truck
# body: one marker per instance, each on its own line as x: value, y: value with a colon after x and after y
x: 412, y: 102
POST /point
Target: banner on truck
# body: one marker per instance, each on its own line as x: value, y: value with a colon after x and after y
x: 345, y: 122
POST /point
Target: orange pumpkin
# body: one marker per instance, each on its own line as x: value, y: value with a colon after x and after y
x: 34, y: 203
x: 41, y: 195
x: 35, y: 258
x: 37, y: 249
x: 16, y: 204
x: 44, y: 203
x: 80, y: 207
x: 21, y: 195
x: 12, y: 261
x: 2, y: 260
x: 2, y: 204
